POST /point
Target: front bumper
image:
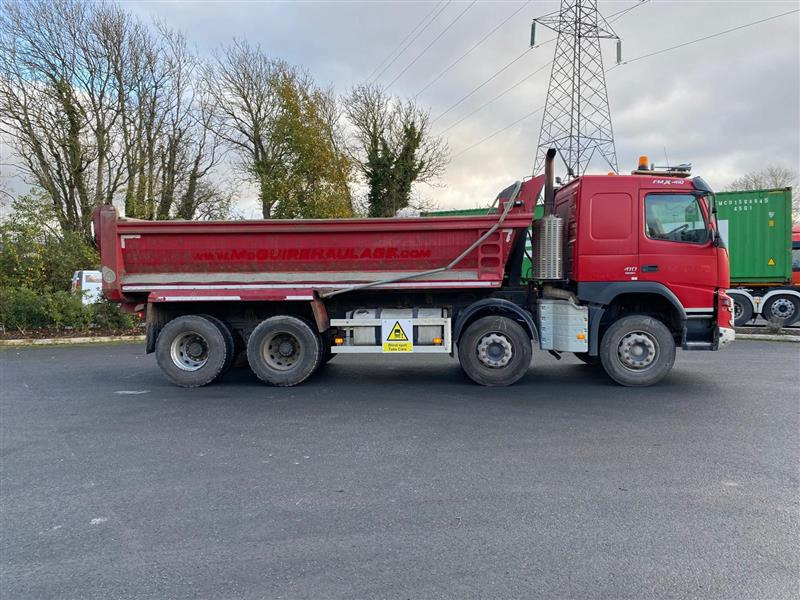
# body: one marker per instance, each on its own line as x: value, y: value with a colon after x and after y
x: 726, y: 336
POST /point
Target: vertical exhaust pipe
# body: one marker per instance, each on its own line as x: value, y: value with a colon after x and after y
x: 548, y: 232
x: 549, y: 182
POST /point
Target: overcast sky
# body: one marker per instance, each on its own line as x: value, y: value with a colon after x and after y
x: 727, y: 105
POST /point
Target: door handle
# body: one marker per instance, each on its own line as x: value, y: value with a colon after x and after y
x: 649, y: 268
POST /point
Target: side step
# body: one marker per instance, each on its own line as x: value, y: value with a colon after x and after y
x: 698, y: 346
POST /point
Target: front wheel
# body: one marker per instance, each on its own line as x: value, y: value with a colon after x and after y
x: 637, y: 351
x: 495, y: 351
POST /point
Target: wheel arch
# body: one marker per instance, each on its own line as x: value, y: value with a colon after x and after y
x: 613, y: 300
x: 494, y: 306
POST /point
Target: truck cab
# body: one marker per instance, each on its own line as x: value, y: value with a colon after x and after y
x: 643, y: 247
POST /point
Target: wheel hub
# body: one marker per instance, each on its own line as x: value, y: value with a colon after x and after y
x: 495, y: 350
x: 189, y: 351
x: 637, y: 350
x: 281, y: 351
x: 782, y: 308
x: 737, y: 310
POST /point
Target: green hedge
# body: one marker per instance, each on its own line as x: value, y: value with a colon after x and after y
x: 22, y: 309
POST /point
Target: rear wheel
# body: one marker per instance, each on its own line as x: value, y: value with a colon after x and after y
x: 637, y: 351
x: 742, y: 309
x: 783, y: 308
x: 191, y: 351
x: 283, y: 351
x: 495, y: 351
x: 227, y: 334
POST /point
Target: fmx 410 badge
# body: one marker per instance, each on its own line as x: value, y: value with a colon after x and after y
x: 396, y: 334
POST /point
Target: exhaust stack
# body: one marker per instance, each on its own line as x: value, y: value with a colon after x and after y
x: 549, y: 181
x: 548, y: 263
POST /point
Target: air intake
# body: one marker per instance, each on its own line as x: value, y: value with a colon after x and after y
x: 548, y: 240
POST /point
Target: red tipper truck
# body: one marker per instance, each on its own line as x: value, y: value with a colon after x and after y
x: 625, y: 270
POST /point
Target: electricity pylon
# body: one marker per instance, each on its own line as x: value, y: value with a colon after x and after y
x: 577, y: 119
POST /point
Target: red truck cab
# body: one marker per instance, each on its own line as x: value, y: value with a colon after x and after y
x: 647, y: 239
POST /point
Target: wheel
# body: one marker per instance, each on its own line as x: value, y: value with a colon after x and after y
x: 784, y: 308
x: 742, y: 309
x: 637, y: 351
x: 585, y: 357
x: 230, y: 344
x: 495, y: 351
x: 283, y: 351
x: 191, y: 351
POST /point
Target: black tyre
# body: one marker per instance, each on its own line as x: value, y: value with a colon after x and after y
x: 742, y: 309
x: 230, y: 344
x: 585, y: 357
x: 783, y: 308
x: 637, y: 351
x: 283, y: 351
x: 495, y: 351
x: 191, y: 351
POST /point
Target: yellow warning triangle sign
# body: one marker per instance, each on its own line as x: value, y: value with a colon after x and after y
x: 397, y: 334
x: 771, y: 262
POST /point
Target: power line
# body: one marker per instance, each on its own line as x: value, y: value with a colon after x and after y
x: 411, y: 41
x: 403, y: 41
x: 478, y: 43
x: 617, y: 14
x: 467, y: 95
x: 708, y: 37
x: 621, y: 13
x: 503, y: 93
x: 498, y: 132
x: 425, y: 49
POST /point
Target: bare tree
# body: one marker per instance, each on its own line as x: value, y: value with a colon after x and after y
x: 56, y: 105
x: 393, y: 148
x: 770, y: 177
x: 98, y: 106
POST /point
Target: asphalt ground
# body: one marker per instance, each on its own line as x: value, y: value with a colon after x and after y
x: 384, y: 477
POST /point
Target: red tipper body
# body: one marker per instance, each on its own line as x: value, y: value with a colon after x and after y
x: 293, y: 259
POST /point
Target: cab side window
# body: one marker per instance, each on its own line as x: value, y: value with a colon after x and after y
x: 674, y: 218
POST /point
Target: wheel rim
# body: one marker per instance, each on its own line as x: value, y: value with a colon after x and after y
x: 637, y: 350
x: 282, y: 351
x: 782, y: 308
x: 737, y: 310
x: 495, y: 350
x: 189, y: 351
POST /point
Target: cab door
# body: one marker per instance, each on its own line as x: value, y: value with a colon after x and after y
x: 676, y: 249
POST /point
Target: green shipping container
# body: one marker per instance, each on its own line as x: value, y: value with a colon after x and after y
x: 467, y: 212
x: 756, y: 226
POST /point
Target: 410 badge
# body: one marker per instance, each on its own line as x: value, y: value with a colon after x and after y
x: 397, y: 335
